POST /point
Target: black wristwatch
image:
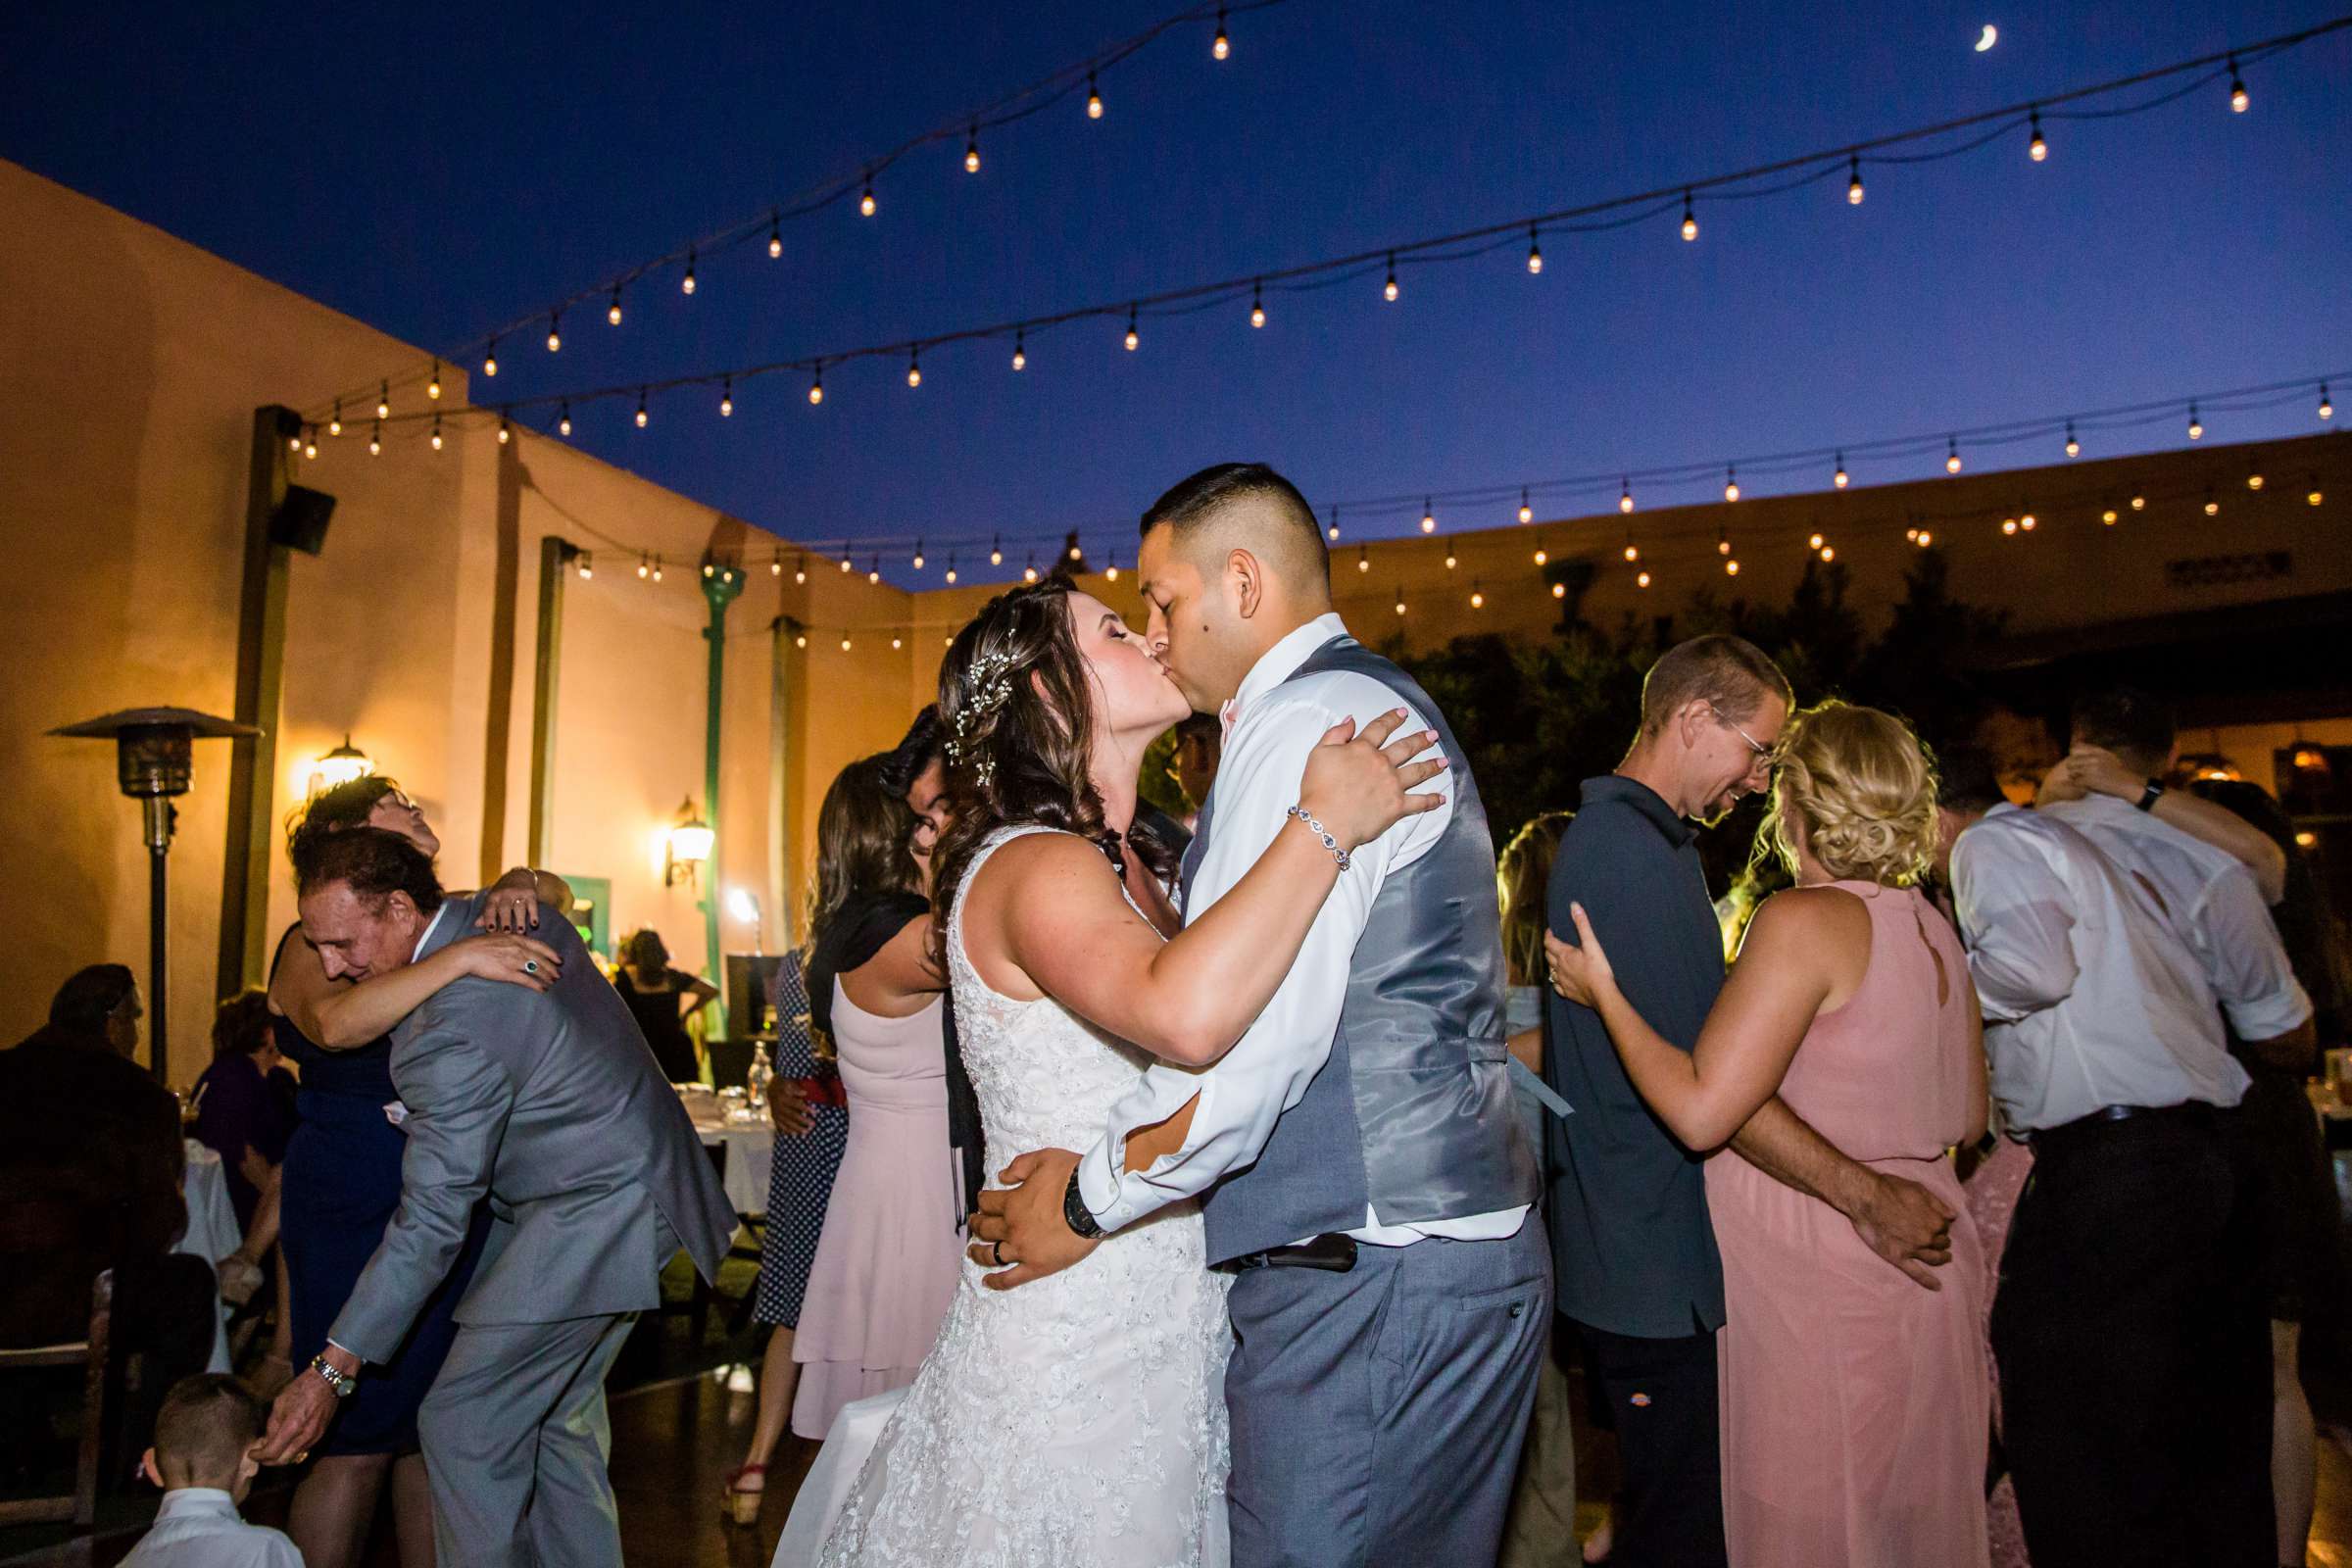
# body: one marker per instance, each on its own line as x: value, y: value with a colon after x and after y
x: 1075, y: 1213
x: 2152, y: 795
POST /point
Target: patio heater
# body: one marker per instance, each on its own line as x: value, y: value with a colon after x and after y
x: 154, y: 762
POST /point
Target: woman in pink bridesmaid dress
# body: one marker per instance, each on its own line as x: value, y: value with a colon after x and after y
x: 1854, y: 1397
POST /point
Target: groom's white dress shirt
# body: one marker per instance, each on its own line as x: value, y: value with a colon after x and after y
x: 198, y: 1526
x: 1271, y: 726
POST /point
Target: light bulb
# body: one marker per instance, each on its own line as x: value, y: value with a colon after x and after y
x: 1077, y: 554
x: 1924, y: 538
x: 294, y: 443
x: 971, y: 152
x: 2237, y: 89
x: 1450, y: 559
x: 490, y: 359
x: 1221, y: 47
x: 1839, y: 478
x: 816, y: 387
x: 1731, y: 484
x: 1527, y: 511
x: 1813, y: 543
x: 726, y: 398
x: 2196, y: 427
x: 1853, y: 185
x: 995, y: 554
x: 2074, y: 447
x: 2327, y: 407
x: 564, y: 420
x: 950, y: 572
x: 2253, y: 481
x: 1363, y: 562
x: 1543, y: 556
x: 657, y: 568
x: 1094, y: 99
x: 505, y: 432
x: 686, y: 284
x: 2025, y: 522
x: 847, y: 566
x: 2314, y: 498
x: 1625, y: 495
x: 800, y: 641
x: 1133, y: 340
x: 643, y: 568
x: 1951, y: 455
x: 874, y: 573
x: 1723, y: 544
x: 641, y: 415
x: 2108, y: 517
x: 1559, y: 590
x: 384, y: 402
x: 2139, y: 503
x: 1029, y: 572
x: 1389, y: 290
x: 1111, y: 572
x: 1400, y: 603
x: 845, y: 644
x: 432, y: 385
x: 613, y: 310
x: 1020, y: 351
x: 1535, y: 253
x: 1690, y: 218
x: 334, y: 426
x: 775, y: 567
x: 2036, y: 149
x: 918, y: 555
x: 898, y: 642
x: 587, y: 567
x: 310, y: 445
x: 2213, y: 508
x: 1731, y: 569
x: 775, y: 237
x: 555, y: 332
x: 1478, y: 600
x: 436, y: 433
x: 1828, y: 552
x: 915, y: 369
x: 1429, y: 518
x: 1640, y: 579
x: 799, y: 570
x: 865, y: 202
x: 1257, y: 306
x: 1632, y: 551
x: 1911, y: 534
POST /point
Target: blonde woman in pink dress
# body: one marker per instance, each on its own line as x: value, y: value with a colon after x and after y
x: 1854, y: 1399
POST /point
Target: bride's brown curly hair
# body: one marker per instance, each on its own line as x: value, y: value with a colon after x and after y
x: 1017, y: 708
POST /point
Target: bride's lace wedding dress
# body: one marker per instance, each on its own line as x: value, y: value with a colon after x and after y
x: 1079, y: 1419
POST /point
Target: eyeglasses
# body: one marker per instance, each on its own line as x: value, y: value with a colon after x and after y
x: 1764, y: 753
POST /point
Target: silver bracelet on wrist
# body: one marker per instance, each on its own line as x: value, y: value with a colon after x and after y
x: 1319, y: 831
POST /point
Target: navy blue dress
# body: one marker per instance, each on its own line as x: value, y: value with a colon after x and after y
x: 338, y: 1191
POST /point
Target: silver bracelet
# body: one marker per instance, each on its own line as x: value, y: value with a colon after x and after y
x: 1317, y: 829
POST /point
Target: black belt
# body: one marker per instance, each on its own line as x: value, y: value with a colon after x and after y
x: 2197, y: 1112
x: 1332, y: 1251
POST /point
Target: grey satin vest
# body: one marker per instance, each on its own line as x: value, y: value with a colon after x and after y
x: 1412, y: 1113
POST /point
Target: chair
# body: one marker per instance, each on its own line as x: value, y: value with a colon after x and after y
x: 81, y: 1505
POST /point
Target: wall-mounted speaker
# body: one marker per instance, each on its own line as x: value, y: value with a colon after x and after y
x: 299, y: 520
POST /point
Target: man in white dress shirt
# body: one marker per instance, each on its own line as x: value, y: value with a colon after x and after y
x: 2128, y: 1325
x: 1363, y: 1173
x: 202, y: 1459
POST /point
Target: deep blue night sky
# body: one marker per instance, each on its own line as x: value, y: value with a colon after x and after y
x: 436, y: 171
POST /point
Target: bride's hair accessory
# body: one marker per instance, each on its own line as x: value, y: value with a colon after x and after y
x: 986, y: 689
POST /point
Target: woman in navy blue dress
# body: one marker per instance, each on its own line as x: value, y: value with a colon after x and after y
x: 340, y: 1182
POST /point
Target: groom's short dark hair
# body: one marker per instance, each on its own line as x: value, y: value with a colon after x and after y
x: 1193, y: 500
x: 376, y: 862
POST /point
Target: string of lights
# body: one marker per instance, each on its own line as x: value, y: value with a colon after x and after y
x: 1947, y: 139
x: 767, y: 224
x: 1710, y: 529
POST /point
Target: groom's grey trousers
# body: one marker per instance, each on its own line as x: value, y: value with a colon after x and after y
x: 1378, y: 1414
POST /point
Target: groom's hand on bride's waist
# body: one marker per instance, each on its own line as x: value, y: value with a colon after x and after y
x: 1020, y: 1231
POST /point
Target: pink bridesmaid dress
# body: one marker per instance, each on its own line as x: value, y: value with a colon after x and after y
x: 1854, y: 1402
x: 890, y: 1253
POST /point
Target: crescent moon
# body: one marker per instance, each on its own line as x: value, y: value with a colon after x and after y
x: 1991, y: 35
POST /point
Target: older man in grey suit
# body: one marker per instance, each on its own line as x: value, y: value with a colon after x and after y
x: 553, y: 1106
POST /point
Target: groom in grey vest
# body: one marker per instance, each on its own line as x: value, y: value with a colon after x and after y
x: 1363, y: 1174
x: 553, y: 1106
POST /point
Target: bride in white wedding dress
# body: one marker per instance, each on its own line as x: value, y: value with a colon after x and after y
x: 1080, y: 1420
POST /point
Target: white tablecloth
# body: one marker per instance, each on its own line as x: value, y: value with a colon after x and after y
x: 213, y: 1232
x: 750, y: 1147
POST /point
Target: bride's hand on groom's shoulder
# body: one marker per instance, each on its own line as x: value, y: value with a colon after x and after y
x: 1357, y: 782
x: 1020, y: 1231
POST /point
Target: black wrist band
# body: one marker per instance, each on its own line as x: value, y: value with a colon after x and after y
x: 1075, y: 1213
x: 2152, y: 795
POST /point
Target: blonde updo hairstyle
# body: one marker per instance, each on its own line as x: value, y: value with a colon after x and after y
x: 1863, y: 789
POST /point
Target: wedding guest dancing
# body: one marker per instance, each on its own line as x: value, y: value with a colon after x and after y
x: 339, y: 1185
x: 1361, y: 1169
x: 551, y: 1103
x: 1078, y: 1420
x: 1638, y: 1270
x: 1853, y: 1403
x: 2129, y: 1323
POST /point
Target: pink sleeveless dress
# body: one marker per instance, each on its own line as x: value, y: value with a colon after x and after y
x: 890, y: 1253
x: 1854, y: 1402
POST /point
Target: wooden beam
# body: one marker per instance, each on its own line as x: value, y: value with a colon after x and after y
x: 554, y: 557
x: 498, y: 725
x: 260, y: 668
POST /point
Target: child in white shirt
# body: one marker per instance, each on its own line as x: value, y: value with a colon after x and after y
x: 202, y: 1459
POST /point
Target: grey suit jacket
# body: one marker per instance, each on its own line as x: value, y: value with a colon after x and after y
x: 554, y: 1106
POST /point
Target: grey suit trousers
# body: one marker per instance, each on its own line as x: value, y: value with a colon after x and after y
x: 515, y: 1438
x: 1378, y: 1414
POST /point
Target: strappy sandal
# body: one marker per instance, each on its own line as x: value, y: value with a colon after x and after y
x: 739, y: 1503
